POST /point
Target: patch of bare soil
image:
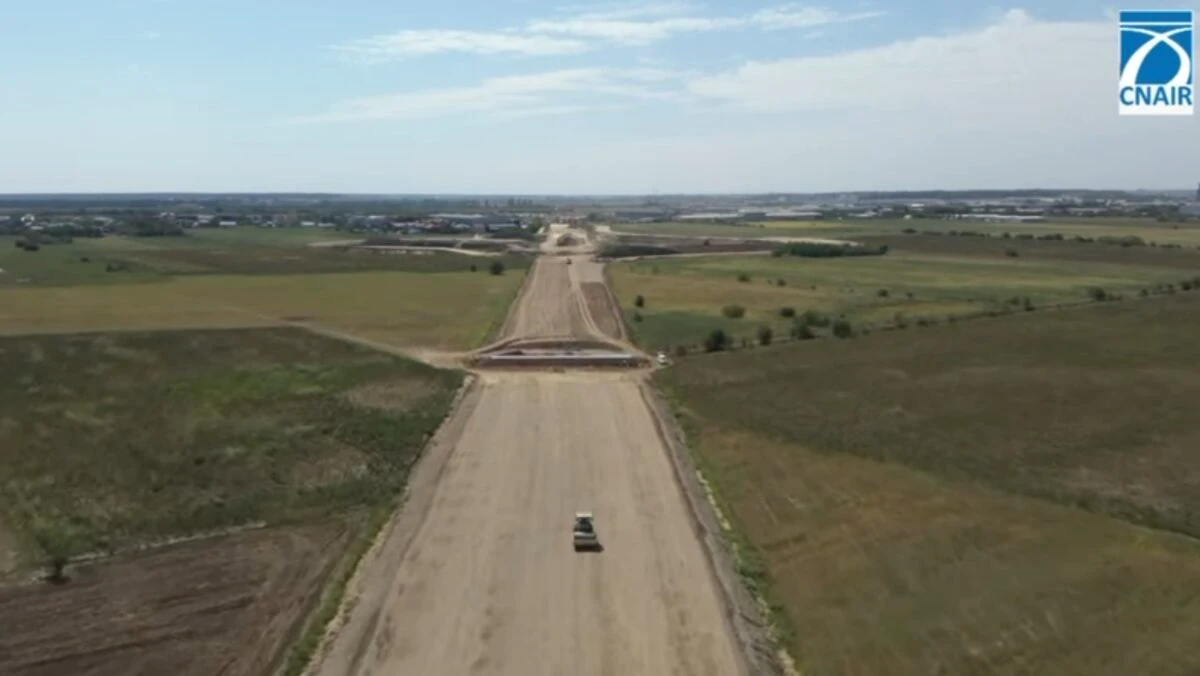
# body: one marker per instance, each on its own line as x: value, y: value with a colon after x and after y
x: 392, y: 395
x: 601, y: 308
x: 227, y: 605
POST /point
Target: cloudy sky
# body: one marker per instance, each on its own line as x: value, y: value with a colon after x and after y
x: 537, y: 96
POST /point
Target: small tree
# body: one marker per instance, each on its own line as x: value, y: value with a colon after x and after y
x: 1028, y: 304
x: 497, y: 268
x: 734, y: 311
x: 716, y: 341
x: 787, y: 312
x: 637, y: 317
x: 842, y: 328
x: 1098, y: 294
x: 743, y: 277
x: 60, y: 543
x: 781, y: 282
x: 765, y: 334
x: 640, y: 301
x: 883, y: 293
x: 474, y: 268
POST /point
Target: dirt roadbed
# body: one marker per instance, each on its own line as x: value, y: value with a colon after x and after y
x: 477, y: 574
x: 488, y: 581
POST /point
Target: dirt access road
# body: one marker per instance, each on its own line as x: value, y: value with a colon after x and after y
x: 477, y: 575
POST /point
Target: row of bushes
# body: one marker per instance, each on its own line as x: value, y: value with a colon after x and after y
x: 635, y: 250
x: 820, y: 250
x: 1122, y: 241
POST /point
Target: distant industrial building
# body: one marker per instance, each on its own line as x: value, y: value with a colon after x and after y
x: 1000, y: 218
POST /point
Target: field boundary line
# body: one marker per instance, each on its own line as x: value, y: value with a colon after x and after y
x: 370, y: 584
x: 745, y: 612
x: 615, y: 304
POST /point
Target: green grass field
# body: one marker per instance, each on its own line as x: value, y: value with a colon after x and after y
x: 963, y: 499
x: 109, y: 439
x: 684, y: 297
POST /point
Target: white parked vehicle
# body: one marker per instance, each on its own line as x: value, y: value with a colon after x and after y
x: 584, y: 535
x: 662, y: 359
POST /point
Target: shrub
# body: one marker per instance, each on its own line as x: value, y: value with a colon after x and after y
x: 637, y: 317
x: 765, y: 334
x: 681, y: 350
x: 743, y: 277
x: 1186, y: 285
x: 496, y: 268
x: 926, y: 321
x: 909, y: 231
x: 734, y: 311
x: 1028, y: 304
x: 900, y: 320
x: 84, y: 259
x: 474, y: 268
x: 1011, y: 253
x: 640, y: 301
x: 707, y: 242
x: 787, y: 312
x: 716, y: 341
x: 781, y: 282
x: 801, y: 331
x: 20, y: 244
x: 1097, y: 294
x: 883, y: 293
x: 1143, y: 293
x: 909, y: 295
x: 814, y: 318
x: 842, y: 328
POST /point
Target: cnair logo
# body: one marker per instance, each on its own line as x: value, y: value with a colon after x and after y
x: 1157, y: 69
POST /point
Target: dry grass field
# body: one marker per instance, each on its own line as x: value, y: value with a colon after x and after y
x: 227, y: 605
x: 684, y: 298
x: 450, y: 310
x: 969, y: 499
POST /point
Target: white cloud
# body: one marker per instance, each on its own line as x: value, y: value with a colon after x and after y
x: 799, y: 16
x: 552, y: 92
x: 630, y: 30
x: 1016, y: 67
x: 574, y: 33
x: 1018, y: 102
x: 381, y: 48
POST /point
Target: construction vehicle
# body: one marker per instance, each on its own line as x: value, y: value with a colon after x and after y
x: 584, y: 535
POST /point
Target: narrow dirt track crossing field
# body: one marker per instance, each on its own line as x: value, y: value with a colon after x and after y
x: 485, y: 580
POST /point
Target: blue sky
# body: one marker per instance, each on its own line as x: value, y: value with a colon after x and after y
x: 535, y: 96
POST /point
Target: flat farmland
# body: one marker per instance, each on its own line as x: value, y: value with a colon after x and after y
x: 227, y: 605
x: 1184, y: 234
x: 450, y: 310
x: 988, y: 497
x: 111, y: 440
x: 124, y: 260
x: 684, y: 297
